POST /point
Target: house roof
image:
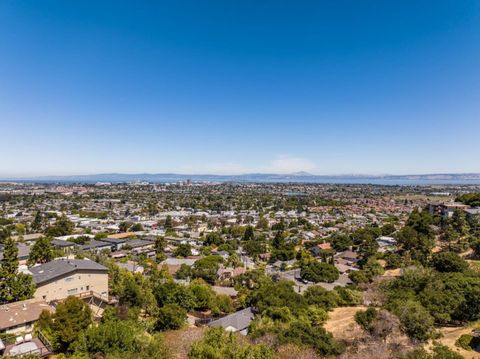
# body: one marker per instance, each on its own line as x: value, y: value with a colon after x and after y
x: 63, y: 244
x: 25, y: 311
x: 95, y: 244
x: 135, y: 243
x: 121, y: 235
x: 61, y: 267
x: 113, y: 240
x: 239, y: 320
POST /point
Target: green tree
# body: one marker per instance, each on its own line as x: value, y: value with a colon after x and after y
x: 123, y: 226
x: 160, y: 244
x: 14, y: 286
x: 249, y: 234
x: 183, y: 250
x: 41, y: 252
x: 319, y: 296
x: 168, y: 222
x: 416, y: 320
x: 38, y: 222
x: 301, y: 333
x: 72, y: 317
x: 203, y: 294
x: 62, y: 227
x: 449, y: 262
x: 137, y: 227
x: 319, y: 272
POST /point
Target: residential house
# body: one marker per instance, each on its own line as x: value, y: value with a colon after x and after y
x: 236, y: 322
x: 19, y: 317
x: 58, y: 279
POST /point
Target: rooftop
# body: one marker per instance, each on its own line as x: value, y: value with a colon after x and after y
x: 18, y: 313
x: 61, y: 267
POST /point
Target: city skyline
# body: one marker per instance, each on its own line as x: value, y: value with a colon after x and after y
x: 216, y: 88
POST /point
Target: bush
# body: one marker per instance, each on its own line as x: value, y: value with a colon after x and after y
x: 318, y: 338
x: 364, y: 318
x: 218, y: 344
x: 467, y: 342
x: 171, y: 316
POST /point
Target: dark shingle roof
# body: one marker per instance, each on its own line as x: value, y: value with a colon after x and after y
x: 134, y: 243
x: 239, y: 320
x: 62, y: 244
x: 94, y: 244
x: 113, y: 240
x: 60, y: 267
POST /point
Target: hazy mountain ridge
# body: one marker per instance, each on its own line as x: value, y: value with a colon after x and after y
x: 251, y: 177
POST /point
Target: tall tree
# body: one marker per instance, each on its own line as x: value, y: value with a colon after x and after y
x: 41, y: 252
x: 37, y: 223
x: 14, y: 286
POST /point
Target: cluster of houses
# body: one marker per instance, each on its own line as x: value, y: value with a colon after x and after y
x: 54, y: 281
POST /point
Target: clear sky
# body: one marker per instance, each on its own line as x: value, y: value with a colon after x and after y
x: 328, y: 87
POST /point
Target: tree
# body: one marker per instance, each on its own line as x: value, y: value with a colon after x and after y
x: 168, y: 222
x: 71, y: 318
x: 137, y: 227
x: 319, y: 272
x: 123, y: 226
x: 160, y: 244
x: 41, y: 252
x: 249, y: 234
x: 262, y: 223
x: 183, y: 250
x: 62, y: 227
x: 418, y: 245
x: 449, y: 262
x: 277, y: 294
x: 37, y: 223
x: 203, y: 294
x: 14, y: 286
x: 170, y: 317
x: 301, y: 333
x: 319, y: 296
x: 416, y: 320
x: 206, y: 268
x: 341, y: 242
x: 213, y: 238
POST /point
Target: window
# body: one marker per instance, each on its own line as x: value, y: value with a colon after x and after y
x: 69, y: 279
x: 88, y: 287
x: 72, y: 291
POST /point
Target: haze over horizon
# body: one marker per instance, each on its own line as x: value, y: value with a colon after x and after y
x: 218, y: 87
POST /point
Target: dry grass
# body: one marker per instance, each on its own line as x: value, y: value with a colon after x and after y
x: 341, y: 323
x: 449, y: 337
x: 180, y: 341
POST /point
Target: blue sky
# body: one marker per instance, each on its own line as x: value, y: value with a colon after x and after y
x: 328, y: 87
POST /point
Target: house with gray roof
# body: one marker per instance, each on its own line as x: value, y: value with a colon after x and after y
x: 236, y: 322
x: 58, y: 279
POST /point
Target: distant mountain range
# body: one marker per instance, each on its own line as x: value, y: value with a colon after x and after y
x: 300, y: 177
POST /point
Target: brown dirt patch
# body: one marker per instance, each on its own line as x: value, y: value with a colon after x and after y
x: 341, y: 323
